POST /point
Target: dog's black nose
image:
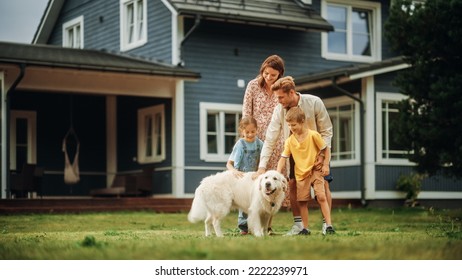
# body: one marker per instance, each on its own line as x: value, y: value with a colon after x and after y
x: 267, y: 185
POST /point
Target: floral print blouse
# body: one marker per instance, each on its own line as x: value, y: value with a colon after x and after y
x: 260, y: 105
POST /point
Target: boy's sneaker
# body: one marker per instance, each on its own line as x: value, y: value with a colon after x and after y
x: 270, y: 231
x: 294, y: 230
x: 330, y: 230
x: 304, y: 231
x: 324, y: 228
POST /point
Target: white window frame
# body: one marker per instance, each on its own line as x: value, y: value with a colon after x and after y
x: 221, y: 109
x: 143, y: 114
x: 376, y: 31
x: 125, y: 45
x: 381, y: 98
x: 72, y: 25
x: 31, y: 145
x: 342, y: 101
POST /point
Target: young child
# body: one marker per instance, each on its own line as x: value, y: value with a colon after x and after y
x: 304, y: 145
x: 245, y: 158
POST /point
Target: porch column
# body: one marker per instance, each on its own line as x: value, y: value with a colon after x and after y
x: 368, y: 87
x: 111, y: 139
x: 4, y: 163
x: 178, y: 151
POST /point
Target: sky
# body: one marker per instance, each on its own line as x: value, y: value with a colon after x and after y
x: 19, y: 19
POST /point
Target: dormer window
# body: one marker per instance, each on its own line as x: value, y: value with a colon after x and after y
x: 357, y: 34
x: 133, y: 30
x: 73, y: 33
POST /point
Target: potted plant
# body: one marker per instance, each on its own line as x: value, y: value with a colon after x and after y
x: 411, y: 184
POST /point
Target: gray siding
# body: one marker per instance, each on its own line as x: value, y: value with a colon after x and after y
x: 346, y: 179
x: 102, y: 27
x: 224, y: 53
x: 386, y: 177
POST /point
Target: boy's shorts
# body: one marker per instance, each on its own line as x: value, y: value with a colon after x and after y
x: 316, y: 180
x: 328, y: 178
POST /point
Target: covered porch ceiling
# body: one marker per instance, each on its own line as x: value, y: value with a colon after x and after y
x: 64, y: 70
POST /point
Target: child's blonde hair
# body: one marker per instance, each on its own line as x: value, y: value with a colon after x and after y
x: 295, y: 114
x: 245, y: 121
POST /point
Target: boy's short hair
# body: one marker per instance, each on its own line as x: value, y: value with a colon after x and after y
x: 285, y: 83
x: 295, y: 114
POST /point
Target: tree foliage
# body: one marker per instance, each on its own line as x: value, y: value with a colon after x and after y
x: 429, y: 36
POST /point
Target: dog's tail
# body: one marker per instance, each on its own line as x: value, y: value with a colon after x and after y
x: 198, y: 210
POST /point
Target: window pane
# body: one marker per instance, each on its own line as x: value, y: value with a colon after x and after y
x: 130, y: 23
x: 361, y: 21
x: 231, y: 131
x: 396, y: 148
x: 337, y: 17
x: 212, y: 123
x: 70, y: 38
x: 212, y: 145
x: 139, y: 19
x: 212, y: 133
x: 391, y: 148
x: 337, y: 40
x: 148, y: 141
x: 158, y: 134
x: 77, y: 36
x: 230, y: 123
x: 229, y: 143
x: 342, y: 118
x: 21, y: 142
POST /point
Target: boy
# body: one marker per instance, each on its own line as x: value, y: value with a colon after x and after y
x: 304, y: 145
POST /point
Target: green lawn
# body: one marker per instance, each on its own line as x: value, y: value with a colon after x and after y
x: 362, y: 234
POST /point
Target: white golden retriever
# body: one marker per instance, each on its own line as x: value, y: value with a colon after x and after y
x: 219, y: 193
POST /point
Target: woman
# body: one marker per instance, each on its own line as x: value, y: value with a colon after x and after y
x: 259, y: 102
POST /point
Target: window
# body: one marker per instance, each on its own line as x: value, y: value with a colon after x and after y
x: 388, y: 150
x: 23, y: 138
x: 357, y: 31
x: 73, y: 33
x: 345, y: 140
x: 219, y: 130
x: 133, y: 30
x: 151, y: 134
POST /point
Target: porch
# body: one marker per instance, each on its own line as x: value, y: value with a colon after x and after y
x: 94, y: 204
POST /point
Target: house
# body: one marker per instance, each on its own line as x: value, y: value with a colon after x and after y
x: 185, y: 126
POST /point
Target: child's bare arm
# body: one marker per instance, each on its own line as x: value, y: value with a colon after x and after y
x: 325, y: 165
x: 230, y: 167
x: 281, y: 164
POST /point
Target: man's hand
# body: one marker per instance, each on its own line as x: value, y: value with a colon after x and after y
x: 258, y: 173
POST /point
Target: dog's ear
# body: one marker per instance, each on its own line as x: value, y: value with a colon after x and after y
x: 284, y: 183
x: 259, y: 178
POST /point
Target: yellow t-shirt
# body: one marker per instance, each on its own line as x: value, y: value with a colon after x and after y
x: 304, y: 153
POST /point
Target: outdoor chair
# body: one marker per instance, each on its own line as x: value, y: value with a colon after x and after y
x: 27, y: 182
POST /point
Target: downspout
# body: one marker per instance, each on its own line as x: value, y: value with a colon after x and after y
x: 197, y: 22
x: 361, y: 135
x: 6, y: 132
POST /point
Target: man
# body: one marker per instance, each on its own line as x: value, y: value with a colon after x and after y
x: 317, y: 119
